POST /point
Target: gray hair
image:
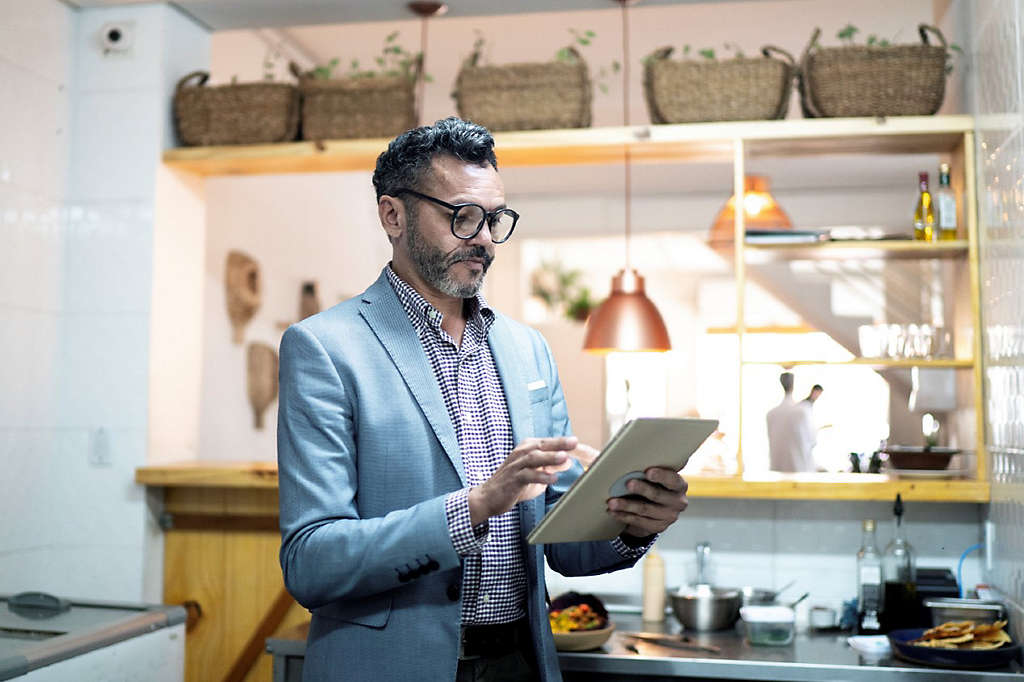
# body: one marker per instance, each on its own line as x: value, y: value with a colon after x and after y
x: 409, y: 156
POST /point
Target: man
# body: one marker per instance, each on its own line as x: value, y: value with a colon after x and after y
x: 422, y: 435
x: 791, y: 435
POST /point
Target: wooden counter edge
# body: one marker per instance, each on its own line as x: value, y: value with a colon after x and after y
x: 216, y: 474
x: 209, y: 474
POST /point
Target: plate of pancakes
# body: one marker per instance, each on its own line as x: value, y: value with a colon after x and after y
x: 957, y: 644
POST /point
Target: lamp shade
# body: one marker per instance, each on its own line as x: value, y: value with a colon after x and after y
x: 627, y: 320
x: 760, y: 211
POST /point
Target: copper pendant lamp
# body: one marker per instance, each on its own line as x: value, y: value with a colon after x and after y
x: 760, y: 211
x: 627, y: 320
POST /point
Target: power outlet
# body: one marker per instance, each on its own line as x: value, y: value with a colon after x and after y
x: 99, y: 449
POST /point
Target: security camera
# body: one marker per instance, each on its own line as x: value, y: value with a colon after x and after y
x: 117, y: 36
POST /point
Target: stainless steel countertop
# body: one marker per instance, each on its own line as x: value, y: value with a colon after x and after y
x: 811, y: 657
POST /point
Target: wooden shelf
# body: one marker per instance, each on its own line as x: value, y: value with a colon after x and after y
x: 869, y: 362
x: 209, y: 474
x: 773, y: 486
x: 901, y: 249
x: 651, y: 143
x: 263, y: 476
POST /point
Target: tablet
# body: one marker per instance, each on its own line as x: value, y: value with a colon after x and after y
x: 582, y: 512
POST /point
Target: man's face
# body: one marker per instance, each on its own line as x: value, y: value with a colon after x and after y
x: 454, y: 267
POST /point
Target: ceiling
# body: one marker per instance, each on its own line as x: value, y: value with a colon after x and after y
x: 223, y: 15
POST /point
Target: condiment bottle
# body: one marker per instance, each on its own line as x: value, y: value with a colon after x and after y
x: 653, y: 588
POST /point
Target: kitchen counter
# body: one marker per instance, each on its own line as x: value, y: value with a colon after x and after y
x: 89, y: 640
x: 811, y: 657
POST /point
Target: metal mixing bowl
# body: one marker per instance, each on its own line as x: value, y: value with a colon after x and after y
x: 703, y: 607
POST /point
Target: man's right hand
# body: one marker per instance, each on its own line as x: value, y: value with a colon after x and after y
x: 527, y: 471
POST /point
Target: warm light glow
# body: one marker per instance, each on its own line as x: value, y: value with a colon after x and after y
x: 760, y: 211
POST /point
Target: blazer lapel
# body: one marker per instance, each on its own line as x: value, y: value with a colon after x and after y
x: 387, y: 318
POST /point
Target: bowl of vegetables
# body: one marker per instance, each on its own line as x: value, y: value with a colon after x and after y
x: 579, y: 622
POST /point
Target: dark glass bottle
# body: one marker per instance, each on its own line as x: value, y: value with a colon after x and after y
x: 869, y: 582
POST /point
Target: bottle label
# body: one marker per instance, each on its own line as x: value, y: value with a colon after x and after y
x: 947, y: 212
x: 870, y: 575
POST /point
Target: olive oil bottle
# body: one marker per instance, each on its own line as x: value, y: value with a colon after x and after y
x: 924, y: 212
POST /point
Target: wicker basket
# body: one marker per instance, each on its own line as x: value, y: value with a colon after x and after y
x: 738, y: 89
x: 345, y: 108
x: 247, y: 113
x: 531, y: 96
x: 860, y: 80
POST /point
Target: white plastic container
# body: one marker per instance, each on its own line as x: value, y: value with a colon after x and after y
x: 769, y: 625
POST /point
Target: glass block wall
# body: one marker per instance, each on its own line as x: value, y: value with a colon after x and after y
x: 997, y: 81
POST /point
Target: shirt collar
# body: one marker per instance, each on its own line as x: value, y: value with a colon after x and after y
x: 423, y: 314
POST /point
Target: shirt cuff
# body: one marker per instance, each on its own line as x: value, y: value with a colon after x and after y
x: 633, y: 552
x: 466, y: 538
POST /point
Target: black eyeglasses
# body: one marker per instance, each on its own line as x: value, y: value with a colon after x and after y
x: 468, y: 219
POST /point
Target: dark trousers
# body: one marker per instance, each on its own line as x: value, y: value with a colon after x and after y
x: 502, y: 653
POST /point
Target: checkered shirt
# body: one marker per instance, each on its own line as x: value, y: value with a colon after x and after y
x: 494, y: 567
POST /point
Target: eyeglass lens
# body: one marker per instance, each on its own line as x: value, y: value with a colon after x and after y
x: 468, y: 218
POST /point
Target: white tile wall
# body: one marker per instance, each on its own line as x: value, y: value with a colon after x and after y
x: 768, y: 543
x: 80, y: 137
x: 999, y: 104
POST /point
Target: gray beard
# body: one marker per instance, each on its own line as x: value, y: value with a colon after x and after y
x: 433, y: 265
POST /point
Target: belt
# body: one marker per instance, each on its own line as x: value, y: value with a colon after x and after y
x: 494, y: 641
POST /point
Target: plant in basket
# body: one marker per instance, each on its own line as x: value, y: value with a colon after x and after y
x: 878, y: 78
x: 706, y: 88
x: 530, y: 95
x: 376, y: 100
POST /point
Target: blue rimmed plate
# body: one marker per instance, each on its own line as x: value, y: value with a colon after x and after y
x: 949, y: 658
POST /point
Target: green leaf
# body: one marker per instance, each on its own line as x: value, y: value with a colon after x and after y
x: 707, y: 53
x: 583, y: 41
x: 564, y: 55
x: 590, y: 34
x: 391, y: 37
x: 847, y: 32
x: 686, y: 50
x: 380, y: 61
x: 616, y: 66
x: 872, y: 39
x: 428, y: 78
x: 333, y: 63
x: 883, y: 43
x: 956, y: 48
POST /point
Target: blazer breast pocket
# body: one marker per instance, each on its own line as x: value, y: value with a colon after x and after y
x: 540, y: 409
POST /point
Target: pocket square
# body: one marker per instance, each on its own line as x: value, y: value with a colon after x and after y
x: 534, y: 385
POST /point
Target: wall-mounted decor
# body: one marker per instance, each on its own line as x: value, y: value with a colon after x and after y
x: 242, y: 113
x: 309, y: 301
x: 261, y: 379
x: 243, y: 286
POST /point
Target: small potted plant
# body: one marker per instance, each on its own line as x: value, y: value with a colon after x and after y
x: 378, y: 100
x: 877, y: 78
x: 528, y: 96
x: 702, y: 87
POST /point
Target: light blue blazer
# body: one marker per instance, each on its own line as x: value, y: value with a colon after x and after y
x: 367, y: 454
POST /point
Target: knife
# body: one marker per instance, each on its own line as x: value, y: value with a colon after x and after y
x: 672, y: 641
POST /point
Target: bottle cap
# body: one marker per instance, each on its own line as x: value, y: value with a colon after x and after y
x: 923, y: 176
x: 869, y: 525
x: 943, y: 167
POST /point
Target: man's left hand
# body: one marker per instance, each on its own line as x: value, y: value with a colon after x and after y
x: 660, y: 506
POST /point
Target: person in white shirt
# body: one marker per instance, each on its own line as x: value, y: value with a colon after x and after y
x: 791, y: 432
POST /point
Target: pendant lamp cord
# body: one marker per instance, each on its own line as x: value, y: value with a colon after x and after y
x: 625, y: 122
x: 423, y: 70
